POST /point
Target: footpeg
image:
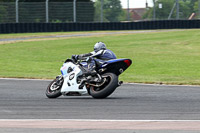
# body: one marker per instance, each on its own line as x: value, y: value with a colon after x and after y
x: 81, y: 86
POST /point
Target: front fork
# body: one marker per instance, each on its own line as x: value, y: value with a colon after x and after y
x: 59, y: 80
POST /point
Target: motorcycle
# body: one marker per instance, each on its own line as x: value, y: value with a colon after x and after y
x: 73, y: 81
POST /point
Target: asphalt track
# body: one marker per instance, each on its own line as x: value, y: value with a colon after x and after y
x: 131, y: 108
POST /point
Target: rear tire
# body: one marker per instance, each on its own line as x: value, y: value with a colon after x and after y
x: 107, y: 88
x: 53, y: 90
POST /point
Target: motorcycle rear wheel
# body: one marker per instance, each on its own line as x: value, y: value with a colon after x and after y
x: 53, y: 90
x: 107, y: 88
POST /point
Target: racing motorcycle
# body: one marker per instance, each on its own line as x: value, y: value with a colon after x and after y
x: 73, y: 81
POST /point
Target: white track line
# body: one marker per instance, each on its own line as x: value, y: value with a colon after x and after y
x: 184, y: 125
x: 99, y: 120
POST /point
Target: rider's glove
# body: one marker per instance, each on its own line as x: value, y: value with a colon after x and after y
x: 75, y: 57
x: 80, y: 57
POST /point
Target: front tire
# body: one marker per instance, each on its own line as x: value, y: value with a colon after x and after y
x: 107, y: 88
x: 53, y: 90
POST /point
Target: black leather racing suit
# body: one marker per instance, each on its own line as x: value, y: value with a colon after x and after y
x: 98, y: 57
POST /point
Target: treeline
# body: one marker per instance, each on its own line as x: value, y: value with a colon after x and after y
x: 186, y: 8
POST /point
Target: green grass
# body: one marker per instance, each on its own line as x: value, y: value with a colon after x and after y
x: 163, y: 57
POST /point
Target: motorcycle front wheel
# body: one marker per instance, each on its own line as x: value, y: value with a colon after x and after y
x: 53, y: 90
x: 103, y: 91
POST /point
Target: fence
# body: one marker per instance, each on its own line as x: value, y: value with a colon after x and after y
x: 57, y: 27
x: 97, y: 11
x: 41, y: 12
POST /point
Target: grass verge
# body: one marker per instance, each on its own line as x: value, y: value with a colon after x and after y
x: 160, y: 57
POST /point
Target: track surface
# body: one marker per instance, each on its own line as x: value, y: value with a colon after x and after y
x: 25, y: 99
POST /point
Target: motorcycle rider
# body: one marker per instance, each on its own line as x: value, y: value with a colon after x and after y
x: 98, y: 56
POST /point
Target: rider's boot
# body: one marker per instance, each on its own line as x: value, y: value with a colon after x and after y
x: 88, y: 72
x: 87, y: 75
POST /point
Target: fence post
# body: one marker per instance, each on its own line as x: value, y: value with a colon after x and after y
x: 74, y: 11
x: 17, y: 10
x: 47, y: 11
x: 199, y: 9
x: 169, y: 17
x: 177, y: 9
x: 128, y: 17
x: 154, y: 10
x: 101, y: 10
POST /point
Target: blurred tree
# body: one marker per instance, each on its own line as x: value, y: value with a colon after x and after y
x: 3, y: 14
x: 162, y: 13
x: 186, y: 9
x: 112, y: 10
x: 196, y: 8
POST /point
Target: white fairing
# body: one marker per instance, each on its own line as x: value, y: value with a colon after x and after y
x: 70, y: 79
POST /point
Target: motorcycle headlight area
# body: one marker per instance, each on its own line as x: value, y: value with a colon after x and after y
x: 64, y: 72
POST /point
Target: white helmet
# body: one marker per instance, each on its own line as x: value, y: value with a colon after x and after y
x: 99, y: 46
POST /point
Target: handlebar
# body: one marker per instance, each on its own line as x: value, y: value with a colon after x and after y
x: 78, y: 59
